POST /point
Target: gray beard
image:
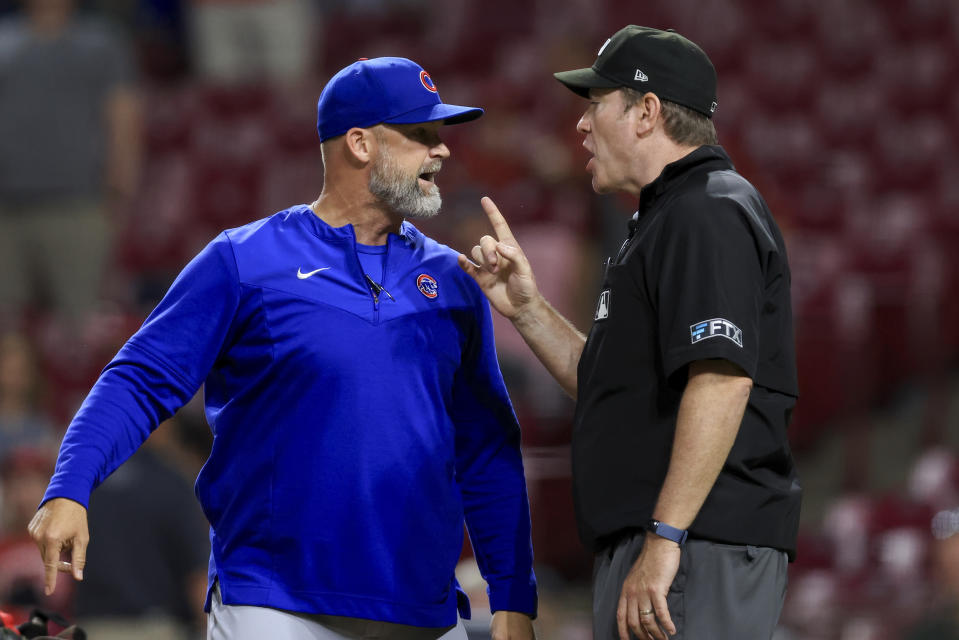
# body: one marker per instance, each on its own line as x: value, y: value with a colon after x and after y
x: 401, y: 193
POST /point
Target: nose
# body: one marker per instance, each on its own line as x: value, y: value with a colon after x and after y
x: 440, y: 151
x: 583, y: 125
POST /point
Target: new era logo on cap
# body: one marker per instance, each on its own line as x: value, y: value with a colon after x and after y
x: 642, y: 77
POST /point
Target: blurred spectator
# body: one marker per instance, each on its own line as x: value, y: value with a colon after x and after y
x: 158, y: 30
x: 934, y: 479
x: 943, y: 622
x: 69, y: 121
x: 146, y: 573
x: 24, y: 472
x: 21, y: 422
x: 253, y: 40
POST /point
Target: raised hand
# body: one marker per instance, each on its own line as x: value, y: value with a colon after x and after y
x: 500, y: 267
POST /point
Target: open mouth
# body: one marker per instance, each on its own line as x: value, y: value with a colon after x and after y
x: 427, y: 179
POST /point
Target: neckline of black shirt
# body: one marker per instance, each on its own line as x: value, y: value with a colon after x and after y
x: 674, y: 173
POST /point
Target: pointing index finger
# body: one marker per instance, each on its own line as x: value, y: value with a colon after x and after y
x: 503, y: 233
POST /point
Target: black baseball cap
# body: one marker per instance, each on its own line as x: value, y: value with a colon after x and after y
x: 650, y: 60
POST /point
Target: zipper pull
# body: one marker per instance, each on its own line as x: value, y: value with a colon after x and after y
x: 374, y: 288
x: 377, y: 289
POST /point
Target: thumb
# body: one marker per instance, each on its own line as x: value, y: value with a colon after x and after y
x: 78, y: 558
x: 467, y: 266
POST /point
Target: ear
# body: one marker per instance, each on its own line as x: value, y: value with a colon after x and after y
x: 360, y: 143
x: 648, y: 114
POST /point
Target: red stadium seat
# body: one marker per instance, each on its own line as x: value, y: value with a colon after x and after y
x: 782, y: 74
x: 169, y: 113
x: 849, y: 34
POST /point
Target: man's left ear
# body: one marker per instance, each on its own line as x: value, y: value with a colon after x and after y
x: 648, y: 112
x: 361, y: 143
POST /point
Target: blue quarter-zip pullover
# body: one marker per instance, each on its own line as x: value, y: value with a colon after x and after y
x: 355, y: 424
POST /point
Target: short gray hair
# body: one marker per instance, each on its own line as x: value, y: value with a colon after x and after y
x: 682, y: 125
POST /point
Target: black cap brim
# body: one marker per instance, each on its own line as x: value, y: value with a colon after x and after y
x: 580, y: 81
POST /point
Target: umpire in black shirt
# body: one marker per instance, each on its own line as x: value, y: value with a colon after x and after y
x: 683, y: 481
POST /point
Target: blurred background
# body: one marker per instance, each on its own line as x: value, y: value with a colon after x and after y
x: 134, y: 130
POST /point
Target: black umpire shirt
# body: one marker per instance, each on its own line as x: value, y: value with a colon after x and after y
x: 703, y: 275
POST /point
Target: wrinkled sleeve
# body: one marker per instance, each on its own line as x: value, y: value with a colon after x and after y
x: 155, y: 373
x: 489, y: 471
x: 710, y: 288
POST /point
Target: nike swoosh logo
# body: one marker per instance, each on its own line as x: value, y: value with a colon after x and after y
x: 304, y: 276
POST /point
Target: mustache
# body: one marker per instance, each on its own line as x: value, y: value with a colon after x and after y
x: 433, y: 167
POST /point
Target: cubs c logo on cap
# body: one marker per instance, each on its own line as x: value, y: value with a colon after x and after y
x: 427, y: 284
x: 427, y: 81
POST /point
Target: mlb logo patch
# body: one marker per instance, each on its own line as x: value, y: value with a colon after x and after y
x: 602, y: 309
x: 427, y: 285
x: 715, y: 328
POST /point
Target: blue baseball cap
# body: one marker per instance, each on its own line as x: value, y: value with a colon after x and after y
x: 383, y: 90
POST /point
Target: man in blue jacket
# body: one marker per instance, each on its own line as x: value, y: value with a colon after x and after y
x: 352, y: 388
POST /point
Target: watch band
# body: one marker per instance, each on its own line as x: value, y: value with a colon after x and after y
x: 665, y: 531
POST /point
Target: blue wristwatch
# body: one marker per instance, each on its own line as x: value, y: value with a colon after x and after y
x: 665, y: 531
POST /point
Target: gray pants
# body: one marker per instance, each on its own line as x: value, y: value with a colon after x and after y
x: 234, y: 622
x: 721, y: 591
x: 64, y: 247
